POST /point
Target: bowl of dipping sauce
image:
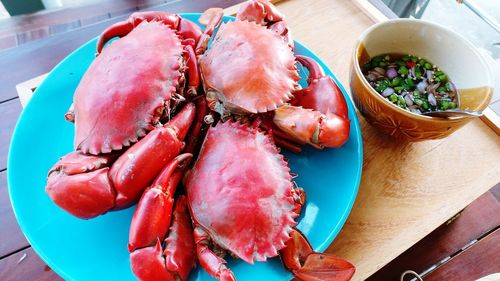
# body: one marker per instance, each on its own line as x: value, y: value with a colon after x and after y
x: 404, y: 67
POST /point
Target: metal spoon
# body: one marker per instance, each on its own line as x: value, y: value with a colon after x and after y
x: 453, y: 113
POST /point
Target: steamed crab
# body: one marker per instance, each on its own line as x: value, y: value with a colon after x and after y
x: 249, y: 209
x: 127, y: 91
x: 250, y: 68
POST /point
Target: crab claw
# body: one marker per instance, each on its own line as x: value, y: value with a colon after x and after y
x: 318, y: 115
x: 79, y: 184
x: 185, y: 28
x: 179, y: 256
x: 196, y: 134
x: 264, y: 12
x: 137, y: 167
x: 209, y: 260
x: 307, y: 265
x: 192, y: 71
x: 153, y: 213
x: 85, y: 185
x: 322, y: 94
x: 259, y: 11
x: 312, y: 127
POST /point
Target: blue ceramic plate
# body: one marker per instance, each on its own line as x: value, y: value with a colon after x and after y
x: 97, y: 249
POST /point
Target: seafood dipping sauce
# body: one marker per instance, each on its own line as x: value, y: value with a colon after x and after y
x: 411, y: 82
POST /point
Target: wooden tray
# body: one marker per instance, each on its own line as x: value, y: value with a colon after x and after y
x: 407, y: 189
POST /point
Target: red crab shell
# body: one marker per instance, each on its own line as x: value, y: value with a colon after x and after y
x: 249, y: 67
x: 122, y: 94
x: 240, y: 192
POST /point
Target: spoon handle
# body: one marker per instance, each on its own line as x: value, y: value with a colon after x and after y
x: 453, y: 113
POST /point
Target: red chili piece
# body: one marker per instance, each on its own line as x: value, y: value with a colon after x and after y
x: 410, y: 64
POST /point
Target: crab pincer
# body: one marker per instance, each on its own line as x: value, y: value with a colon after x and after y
x: 265, y: 13
x: 318, y: 113
x: 299, y: 257
x: 90, y: 185
x: 178, y: 256
x: 150, y: 224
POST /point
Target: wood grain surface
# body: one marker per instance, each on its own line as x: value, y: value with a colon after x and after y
x: 470, y: 264
x: 9, y: 112
x: 11, y: 236
x: 73, y: 13
x: 407, y: 189
x: 26, y: 265
x: 475, y: 222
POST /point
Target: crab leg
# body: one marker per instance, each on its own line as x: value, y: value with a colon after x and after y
x: 213, y: 264
x: 283, y: 143
x: 85, y: 185
x: 185, y: 28
x: 211, y: 19
x: 318, y: 114
x: 195, y: 134
x: 192, y: 71
x: 179, y: 256
x: 299, y: 197
x: 281, y: 139
x: 307, y: 265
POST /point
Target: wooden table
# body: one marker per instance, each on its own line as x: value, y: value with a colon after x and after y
x: 407, y: 189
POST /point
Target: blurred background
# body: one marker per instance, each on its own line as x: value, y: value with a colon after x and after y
x: 22, y: 21
x: 477, y: 20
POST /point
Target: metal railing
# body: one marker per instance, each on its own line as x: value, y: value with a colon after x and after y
x: 474, y: 7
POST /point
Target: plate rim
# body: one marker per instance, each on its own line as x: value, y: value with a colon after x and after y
x: 320, y: 248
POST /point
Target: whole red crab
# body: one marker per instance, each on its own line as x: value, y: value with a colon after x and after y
x: 250, y: 69
x: 243, y: 201
x: 127, y: 90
